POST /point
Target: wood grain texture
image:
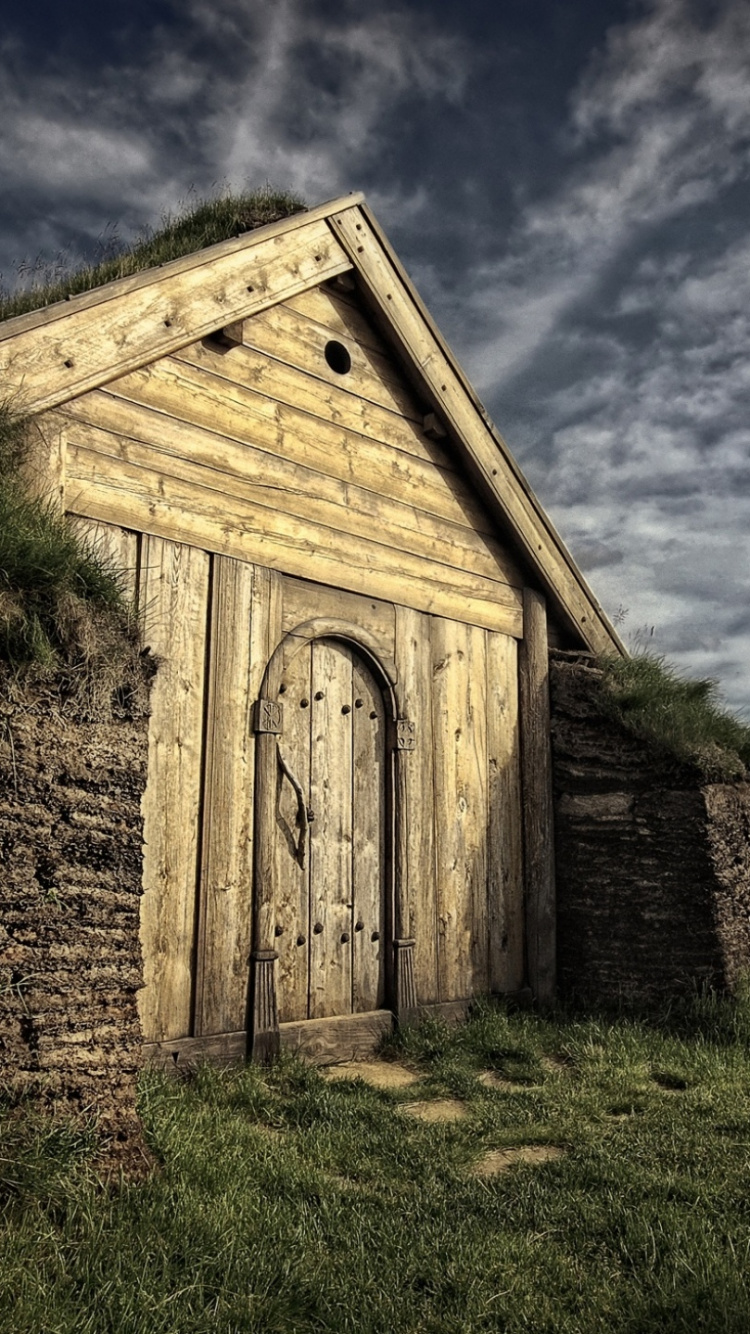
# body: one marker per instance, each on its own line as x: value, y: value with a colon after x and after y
x: 331, y: 836
x: 461, y: 810
x: 417, y: 817
x: 49, y: 363
x: 118, y: 546
x: 291, y: 877
x: 226, y: 875
x: 142, y: 498
x: 368, y: 840
x: 446, y: 387
x: 297, y: 340
x: 345, y: 318
x: 304, y: 600
x: 265, y: 632
x: 343, y: 1038
x: 144, y: 437
x: 538, y: 815
x: 505, y: 843
x: 174, y: 606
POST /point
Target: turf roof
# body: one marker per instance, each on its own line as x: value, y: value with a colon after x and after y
x: 201, y: 225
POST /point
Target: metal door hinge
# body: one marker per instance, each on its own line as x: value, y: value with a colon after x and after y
x: 268, y: 717
x: 405, y: 734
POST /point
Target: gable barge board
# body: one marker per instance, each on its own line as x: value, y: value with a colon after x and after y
x: 392, y: 296
x: 51, y: 362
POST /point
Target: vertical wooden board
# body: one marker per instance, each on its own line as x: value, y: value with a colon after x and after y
x: 226, y: 873
x: 461, y: 815
x: 117, y: 545
x: 331, y: 841
x: 265, y: 633
x: 505, y: 852
x: 538, y: 810
x: 291, y: 877
x: 174, y: 606
x: 368, y: 849
x: 417, y: 845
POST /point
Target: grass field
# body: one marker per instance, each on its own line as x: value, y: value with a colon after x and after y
x: 288, y: 1202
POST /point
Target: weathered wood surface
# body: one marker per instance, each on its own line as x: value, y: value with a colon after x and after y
x: 298, y: 341
x: 229, y: 472
x: 342, y: 315
x: 225, y: 901
x: 144, y: 498
x: 47, y: 359
x: 369, y: 939
x: 342, y: 1038
x: 291, y: 876
x: 118, y: 546
x: 505, y: 840
x: 416, y: 790
x: 174, y: 589
x: 331, y: 839
x: 445, y: 386
x: 461, y: 815
x: 538, y: 816
x: 304, y: 601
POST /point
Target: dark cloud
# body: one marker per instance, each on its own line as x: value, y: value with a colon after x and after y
x: 568, y: 184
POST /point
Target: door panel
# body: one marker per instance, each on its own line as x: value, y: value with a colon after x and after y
x: 330, y: 905
x: 292, y: 875
x: 368, y: 852
x: 331, y: 833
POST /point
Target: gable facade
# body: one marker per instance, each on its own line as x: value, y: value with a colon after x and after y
x: 350, y: 591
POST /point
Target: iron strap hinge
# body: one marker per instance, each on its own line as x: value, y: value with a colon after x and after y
x: 268, y: 716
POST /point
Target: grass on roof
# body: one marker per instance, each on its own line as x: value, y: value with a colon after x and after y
x: 685, y: 718
x: 200, y: 225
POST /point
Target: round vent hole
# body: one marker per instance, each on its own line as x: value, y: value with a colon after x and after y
x: 337, y: 357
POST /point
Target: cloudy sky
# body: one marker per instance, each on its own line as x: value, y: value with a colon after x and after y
x: 568, y: 182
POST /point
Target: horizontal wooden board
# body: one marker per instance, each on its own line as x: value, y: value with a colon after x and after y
x: 235, y: 472
x: 191, y: 393
x: 47, y: 364
x: 142, y: 498
x: 304, y: 601
x: 346, y: 1037
x: 305, y: 392
x: 291, y: 337
x: 343, y: 315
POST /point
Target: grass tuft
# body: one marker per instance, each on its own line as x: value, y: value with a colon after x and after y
x: 198, y: 225
x: 63, y: 608
x: 684, y: 718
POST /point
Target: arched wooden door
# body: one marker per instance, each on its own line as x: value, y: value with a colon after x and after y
x: 329, y: 841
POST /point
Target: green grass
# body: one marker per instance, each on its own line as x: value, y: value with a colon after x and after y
x: 198, y: 225
x: 285, y: 1203
x: 685, y: 718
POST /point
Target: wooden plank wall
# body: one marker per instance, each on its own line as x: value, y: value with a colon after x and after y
x: 213, y: 622
x: 263, y: 453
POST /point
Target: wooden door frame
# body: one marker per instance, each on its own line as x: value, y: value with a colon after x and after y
x: 263, y: 1020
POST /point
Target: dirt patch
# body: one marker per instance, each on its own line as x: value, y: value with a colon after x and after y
x: 380, y: 1074
x: 438, y: 1109
x: 500, y: 1160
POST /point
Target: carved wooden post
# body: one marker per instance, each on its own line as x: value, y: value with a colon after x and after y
x: 538, y: 817
x: 263, y: 1020
x: 404, y: 984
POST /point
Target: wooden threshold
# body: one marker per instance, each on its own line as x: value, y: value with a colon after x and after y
x: 345, y: 1037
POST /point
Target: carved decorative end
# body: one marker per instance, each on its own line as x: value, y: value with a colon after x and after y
x: 405, y: 734
x: 269, y: 717
x: 264, y: 1018
x: 406, y: 990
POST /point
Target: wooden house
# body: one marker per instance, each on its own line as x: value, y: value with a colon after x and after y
x: 350, y: 589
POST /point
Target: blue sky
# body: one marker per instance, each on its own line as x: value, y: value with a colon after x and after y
x: 568, y: 184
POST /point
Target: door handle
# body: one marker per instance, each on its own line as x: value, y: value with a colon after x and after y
x: 305, y: 813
